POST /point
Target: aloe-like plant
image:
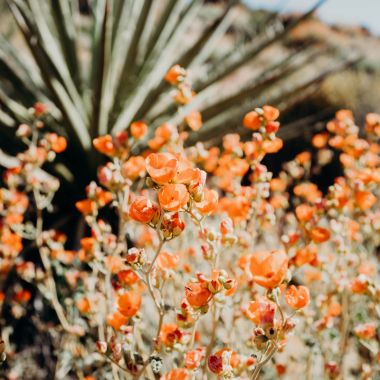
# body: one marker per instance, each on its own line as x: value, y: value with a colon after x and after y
x: 102, y: 68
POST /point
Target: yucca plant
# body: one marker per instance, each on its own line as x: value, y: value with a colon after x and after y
x: 99, y: 65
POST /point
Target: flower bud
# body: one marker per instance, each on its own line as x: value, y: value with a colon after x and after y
x: 258, y: 331
x: 101, y: 346
x: 135, y: 256
x: 24, y: 130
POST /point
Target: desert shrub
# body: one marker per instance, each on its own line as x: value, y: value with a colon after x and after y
x: 196, y: 262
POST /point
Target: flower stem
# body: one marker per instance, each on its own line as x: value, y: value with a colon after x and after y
x: 268, y: 356
x: 50, y: 282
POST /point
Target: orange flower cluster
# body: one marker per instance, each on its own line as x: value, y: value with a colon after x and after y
x: 197, y: 261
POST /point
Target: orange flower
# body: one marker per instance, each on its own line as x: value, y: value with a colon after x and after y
x: 193, y: 358
x: 10, y: 242
x: 346, y: 160
x: 334, y: 310
x: 143, y: 210
x: 359, y: 285
x: 320, y: 140
x: 307, y: 190
x: 278, y: 201
x: 113, y: 263
x: 306, y: 255
x: 365, y: 199
x: 277, y: 184
x: 162, y: 167
x: 230, y: 167
x: 134, y: 168
x: 344, y: 115
x: 271, y: 113
x: 66, y: 257
x: 58, y: 143
x: 304, y: 213
x: 129, y: 303
x: 117, y: 320
x: 138, y: 129
x: 173, y: 197
x: 166, y: 261
x: 176, y: 374
x: 83, y: 305
x: 373, y: 123
x: 238, y: 167
x: 237, y: 208
x: 312, y: 275
x: 303, y: 158
x: 197, y: 294
x: 174, y: 74
x: 319, y: 235
x: 268, y: 268
x: 194, y: 178
x: 39, y: 109
x: 87, y: 243
x: 261, y: 312
x: 103, y: 197
x: 252, y: 120
x: 22, y: 296
x: 297, y: 297
x: 216, y: 361
x: 105, y: 145
x: 170, y: 334
x: 272, y: 126
x: 209, y: 203
x: 272, y: 146
x: 353, y: 228
x: 280, y: 369
x: 194, y: 120
x: 127, y: 277
x: 163, y: 133
x: 367, y: 268
x: 336, y: 142
x: 365, y: 331
x: 87, y: 206
x: 184, y: 94
x: 211, y: 161
x: 156, y: 143
x: 231, y: 142
x: 226, y: 226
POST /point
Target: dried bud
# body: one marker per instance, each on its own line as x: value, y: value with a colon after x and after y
x: 332, y: 369
x: 101, y: 346
x: 290, y: 324
x: 116, y: 351
x: 258, y: 331
x: 135, y: 256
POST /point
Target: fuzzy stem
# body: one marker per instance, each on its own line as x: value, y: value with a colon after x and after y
x: 50, y: 282
x: 269, y: 354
